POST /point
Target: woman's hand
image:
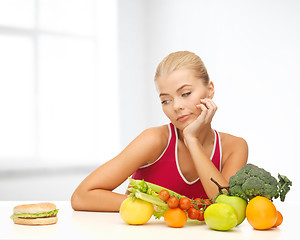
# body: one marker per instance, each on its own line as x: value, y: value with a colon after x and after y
x: 194, y: 129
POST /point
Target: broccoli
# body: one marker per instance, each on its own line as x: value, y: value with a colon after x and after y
x: 251, y: 181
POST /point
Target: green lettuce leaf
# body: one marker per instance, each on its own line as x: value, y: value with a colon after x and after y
x: 35, y: 215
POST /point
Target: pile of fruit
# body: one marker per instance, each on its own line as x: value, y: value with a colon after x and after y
x: 224, y: 213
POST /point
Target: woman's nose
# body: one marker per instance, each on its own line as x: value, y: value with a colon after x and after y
x: 177, y: 104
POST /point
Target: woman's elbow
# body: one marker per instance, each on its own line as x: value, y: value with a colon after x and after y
x: 76, y: 201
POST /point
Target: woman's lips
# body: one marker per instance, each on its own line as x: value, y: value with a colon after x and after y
x: 183, y: 118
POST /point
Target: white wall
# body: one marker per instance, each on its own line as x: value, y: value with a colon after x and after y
x: 251, y: 50
x: 252, y: 53
x: 59, y: 99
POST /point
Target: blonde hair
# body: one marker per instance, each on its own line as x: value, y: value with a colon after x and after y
x: 180, y: 60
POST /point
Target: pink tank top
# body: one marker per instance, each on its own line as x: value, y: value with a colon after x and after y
x: 165, y: 170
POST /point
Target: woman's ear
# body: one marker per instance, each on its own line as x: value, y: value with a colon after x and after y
x: 211, y: 89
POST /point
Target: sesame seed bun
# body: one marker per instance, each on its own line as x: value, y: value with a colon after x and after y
x: 34, y: 208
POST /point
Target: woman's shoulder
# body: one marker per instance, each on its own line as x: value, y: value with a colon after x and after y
x: 231, y: 139
x: 158, y: 135
x: 156, y: 139
x: 234, y: 150
x: 231, y: 143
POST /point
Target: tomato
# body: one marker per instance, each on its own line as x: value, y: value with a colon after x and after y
x: 185, y: 203
x: 193, y: 213
x: 164, y: 195
x: 202, y: 203
x: 201, y: 216
x: 173, y: 202
x: 206, y: 203
x: 136, y: 211
x: 196, y: 203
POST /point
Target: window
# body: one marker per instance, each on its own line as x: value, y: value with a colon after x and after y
x: 58, y: 82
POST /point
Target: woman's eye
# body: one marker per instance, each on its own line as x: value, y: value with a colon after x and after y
x: 186, y: 94
x: 164, y: 101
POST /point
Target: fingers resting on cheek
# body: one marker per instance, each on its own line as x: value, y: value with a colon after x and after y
x: 208, y: 104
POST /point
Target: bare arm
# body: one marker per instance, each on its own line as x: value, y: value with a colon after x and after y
x: 95, y: 192
x: 206, y: 169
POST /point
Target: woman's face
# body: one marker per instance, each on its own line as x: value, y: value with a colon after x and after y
x: 180, y: 92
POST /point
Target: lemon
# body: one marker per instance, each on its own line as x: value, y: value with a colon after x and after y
x: 136, y: 211
x: 221, y: 216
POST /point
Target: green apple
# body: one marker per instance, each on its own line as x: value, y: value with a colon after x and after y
x: 238, y: 203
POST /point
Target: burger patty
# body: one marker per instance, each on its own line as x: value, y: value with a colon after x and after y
x: 37, y: 217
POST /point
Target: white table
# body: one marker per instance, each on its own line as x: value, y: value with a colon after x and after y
x: 96, y: 225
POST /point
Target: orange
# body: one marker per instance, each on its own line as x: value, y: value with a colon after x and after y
x: 175, y: 217
x: 279, y: 219
x: 261, y: 213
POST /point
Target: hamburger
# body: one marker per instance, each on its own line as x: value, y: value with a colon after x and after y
x: 35, y: 214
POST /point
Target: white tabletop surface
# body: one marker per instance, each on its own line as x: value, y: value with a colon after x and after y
x: 97, y: 225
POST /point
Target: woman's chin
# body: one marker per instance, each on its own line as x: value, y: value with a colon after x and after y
x: 182, y: 125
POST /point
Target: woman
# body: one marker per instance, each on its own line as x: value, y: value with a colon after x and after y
x: 182, y: 155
